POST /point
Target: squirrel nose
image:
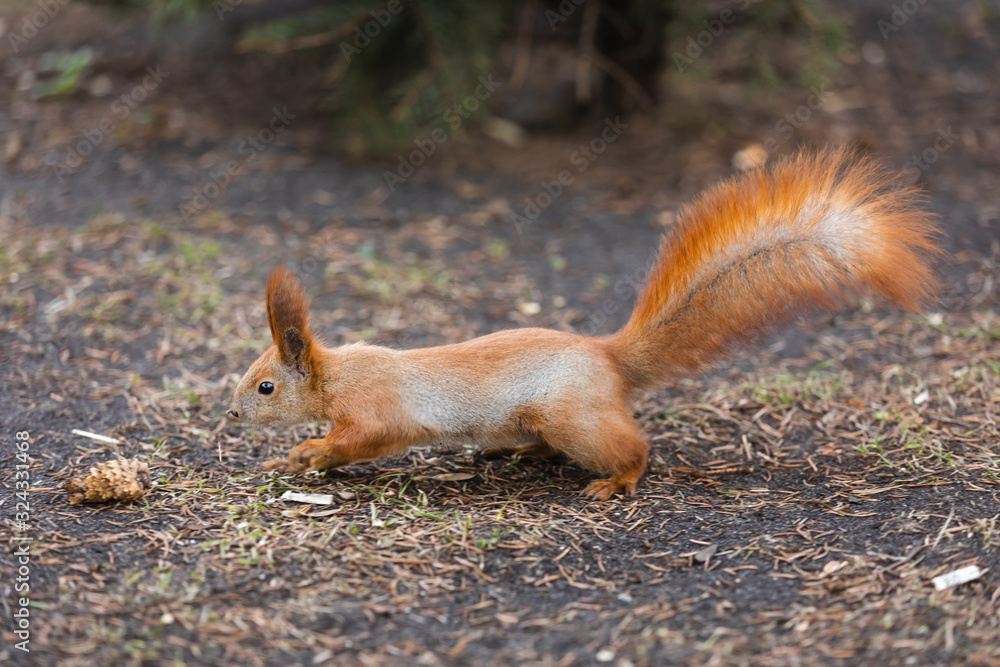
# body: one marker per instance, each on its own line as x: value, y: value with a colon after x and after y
x: 232, y: 413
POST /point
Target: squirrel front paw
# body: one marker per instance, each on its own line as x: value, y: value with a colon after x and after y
x: 278, y: 465
x: 311, y: 455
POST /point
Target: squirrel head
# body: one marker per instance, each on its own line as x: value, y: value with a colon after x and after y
x: 280, y: 387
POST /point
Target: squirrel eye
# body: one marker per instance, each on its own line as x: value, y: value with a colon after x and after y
x: 265, y: 388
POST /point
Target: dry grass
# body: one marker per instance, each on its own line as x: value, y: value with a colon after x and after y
x: 793, y: 514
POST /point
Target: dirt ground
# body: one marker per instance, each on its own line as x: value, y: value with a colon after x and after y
x: 800, y: 499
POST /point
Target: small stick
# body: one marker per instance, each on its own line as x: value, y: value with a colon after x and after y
x: 97, y: 436
x: 943, y: 528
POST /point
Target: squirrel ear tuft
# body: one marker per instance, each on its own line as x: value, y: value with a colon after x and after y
x: 287, y: 314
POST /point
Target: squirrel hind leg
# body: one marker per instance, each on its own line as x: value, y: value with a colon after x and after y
x: 619, y: 449
x: 603, y: 489
x: 630, y: 455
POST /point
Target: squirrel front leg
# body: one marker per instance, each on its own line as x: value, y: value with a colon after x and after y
x: 351, y: 441
x: 314, y: 454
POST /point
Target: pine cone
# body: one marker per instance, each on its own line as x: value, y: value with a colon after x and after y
x: 120, y: 479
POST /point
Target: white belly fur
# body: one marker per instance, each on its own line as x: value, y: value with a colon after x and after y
x: 464, y: 410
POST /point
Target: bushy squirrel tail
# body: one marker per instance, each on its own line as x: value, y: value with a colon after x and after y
x: 764, y: 247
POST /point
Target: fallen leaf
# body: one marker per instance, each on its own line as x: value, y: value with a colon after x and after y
x: 705, y: 554
x: 454, y: 476
x: 446, y: 477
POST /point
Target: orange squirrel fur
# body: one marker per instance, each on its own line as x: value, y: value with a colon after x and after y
x: 745, y: 258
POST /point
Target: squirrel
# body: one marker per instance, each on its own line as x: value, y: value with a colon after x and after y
x: 747, y: 256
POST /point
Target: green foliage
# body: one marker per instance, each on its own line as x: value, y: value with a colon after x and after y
x: 175, y: 10
x: 760, y: 21
x: 426, y: 60
x: 396, y: 67
x: 69, y: 68
x: 394, y: 74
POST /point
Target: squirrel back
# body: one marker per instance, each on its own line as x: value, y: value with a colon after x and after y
x: 761, y: 248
